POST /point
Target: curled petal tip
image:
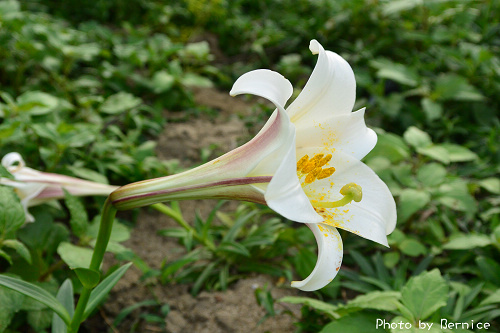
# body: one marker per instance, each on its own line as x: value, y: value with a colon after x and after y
x: 314, y: 46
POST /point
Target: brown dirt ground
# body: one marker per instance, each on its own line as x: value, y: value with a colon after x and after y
x: 232, y: 311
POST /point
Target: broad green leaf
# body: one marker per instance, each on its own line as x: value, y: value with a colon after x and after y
x: 424, y: 294
x: 355, y: 323
x: 455, y: 195
x: 88, y: 277
x: 316, y: 304
x: 65, y: 296
x: 433, y: 110
x: 4, y: 173
x: 436, y: 152
x: 377, y: 300
x: 79, y: 220
x: 195, y: 80
x: 9, y: 7
x: 11, y: 302
x: 491, y: 184
x: 410, y: 202
x: 431, y: 174
x: 396, y: 6
x: 467, y: 242
x: 74, y: 256
x: 391, y: 259
x: 120, y: 102
x: 102, y: 290
x: 37, y: 102
x: 39, y: 319
x: 162, y: 81
x: 412, y: 247
x: 457, y: 153
x: 395, y: 72
x: 11, y: 212
x: 417, y: 138
x: 391, y: 146
x: 19, y: 247
x: 36, y: 293
x: 88, y: 174
x: 452, y: 86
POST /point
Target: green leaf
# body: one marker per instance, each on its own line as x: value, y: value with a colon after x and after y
x: 79, y: 219
x: 410, y: 202
x: 88, y: 277
x: 88, y: 174
x: 467, y: 242
x: 162, y: 81
x: 457, y: 153
x: 316, y: 304
x: 432, y: 110
x: 431, y: 174
x: 395, y: 72
x: 452, y: 86
x: 11, y: 212
x: 436, y: 152
x: 74, y: 256
x: 424, y: 294
x: 390, y: 146
x: 11, y: 302
x: 412, y: 247
x: 103, y: 289
x: 417, y: 138
x: 391, y: 259
x: 490, y: 269
x: 4, y: 173
x: 455, y: 195
x: 234, y: 248
x: 377, y: 300
x: 491, y: 184
x: 65, y: 296
x: 354, y: 323
x: 36, y: 293
x: 37, y: 103
x: 19, y: 247
x: 120, y: 102
x: 491, y: 299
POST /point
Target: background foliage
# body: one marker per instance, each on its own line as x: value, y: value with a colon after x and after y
x: 83, y: 90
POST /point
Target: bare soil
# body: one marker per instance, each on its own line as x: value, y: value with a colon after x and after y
x: 232, y: 311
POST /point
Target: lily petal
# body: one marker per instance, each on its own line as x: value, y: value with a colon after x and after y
x: 264, y: 83
x: 330, y: 254
x: 373, y: 217
x: 284, y: 193
x: 331, y: 89
x: 347, y: 133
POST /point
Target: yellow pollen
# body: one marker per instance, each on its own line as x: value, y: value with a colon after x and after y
x: 326, y: 173
x: 310, y: 178
x: 302, y: 162
x: 325, y: 160
x: 313, y: 163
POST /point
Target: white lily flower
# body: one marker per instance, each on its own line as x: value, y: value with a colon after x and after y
x: 36, y: 187
x: 304, y: 164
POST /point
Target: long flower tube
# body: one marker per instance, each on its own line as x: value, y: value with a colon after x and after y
x: 36, y: 187
x: 304, y: 164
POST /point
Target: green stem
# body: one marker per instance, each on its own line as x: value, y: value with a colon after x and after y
x: 105, y: 227
x: 180, y: 220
